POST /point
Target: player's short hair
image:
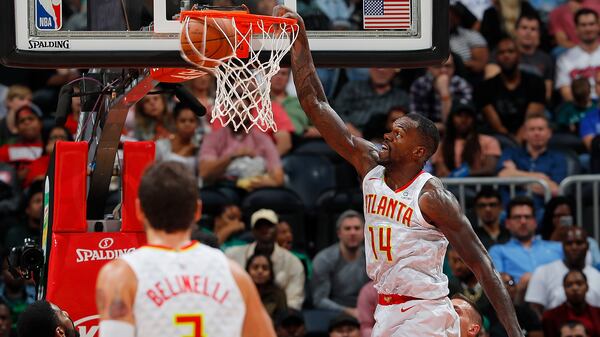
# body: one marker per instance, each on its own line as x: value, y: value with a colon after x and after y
x: 520, y: 200
x: 582, y: 12
x: 168, y: 195
x: 38, y: 320
x: 478, y: 317
x: 428, y: 131
x: 488, y: 192
x: 538, y: 115
x: 530, y: 17
x: 575, y: 271
x: 350, y: 213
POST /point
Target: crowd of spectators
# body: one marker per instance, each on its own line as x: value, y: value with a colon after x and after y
x: 518, y: 97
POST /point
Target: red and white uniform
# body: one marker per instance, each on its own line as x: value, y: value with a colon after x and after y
x: 405, y: 255
x: 185, y: 292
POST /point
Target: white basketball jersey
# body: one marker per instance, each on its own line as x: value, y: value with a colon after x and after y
x: 186, y: 292
x: 404, y: 253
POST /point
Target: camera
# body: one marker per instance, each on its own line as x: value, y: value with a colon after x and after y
x: 26, y: 261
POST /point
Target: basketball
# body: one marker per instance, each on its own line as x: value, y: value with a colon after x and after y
x: 213, y: 39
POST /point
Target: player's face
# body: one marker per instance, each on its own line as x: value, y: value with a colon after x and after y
x: 468, y: 328
x: 488, y: 210
x: 575, y: 288
x: 522, y: 223
x: 575, y: 245
x: 64, y: 321
x: 351, y: 233
x: 5, y: 321
x: 285, y: 237
x: 259, y: 270
x: 400, y: 142
x: 577, y: 331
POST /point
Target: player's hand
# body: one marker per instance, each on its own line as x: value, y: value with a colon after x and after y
x: 284, y: 12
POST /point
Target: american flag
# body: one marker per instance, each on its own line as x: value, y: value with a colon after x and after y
x: 386, y: 14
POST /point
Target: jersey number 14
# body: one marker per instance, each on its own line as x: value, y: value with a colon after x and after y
x: 383, y: 237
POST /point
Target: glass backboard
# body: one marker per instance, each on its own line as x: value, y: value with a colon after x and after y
x: 145, y: 33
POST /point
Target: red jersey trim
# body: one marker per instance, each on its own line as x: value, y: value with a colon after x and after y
x: 188, y: 246
x: 403, y: 187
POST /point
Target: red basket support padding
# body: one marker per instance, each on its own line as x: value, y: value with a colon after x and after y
x: 75, y: 260
x: 136, y: 157
x: 70, y: 176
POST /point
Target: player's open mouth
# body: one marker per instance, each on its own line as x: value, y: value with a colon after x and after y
x: 384, y: 147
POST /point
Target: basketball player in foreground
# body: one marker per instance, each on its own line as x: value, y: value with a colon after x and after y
x: 410, y: 216
x: 175, y: 286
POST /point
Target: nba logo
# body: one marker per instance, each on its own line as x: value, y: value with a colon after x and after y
x: 48, y: 14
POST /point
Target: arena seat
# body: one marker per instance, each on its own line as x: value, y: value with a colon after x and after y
x: 573, y: 163
x: 329, y: 206
x: 308, y: 175
x: 318, y: 147
x: 285, y: 202
x: 505, y: 141
x: 567, y: 141
x: 212, y: 201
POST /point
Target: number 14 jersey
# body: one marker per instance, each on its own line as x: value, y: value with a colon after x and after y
x: 404, y: 253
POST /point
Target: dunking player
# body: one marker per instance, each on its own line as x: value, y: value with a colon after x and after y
x: 175, y: 286
x: 410, y: 216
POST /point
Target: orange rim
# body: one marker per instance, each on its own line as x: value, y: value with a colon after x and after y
x: 241, y: 17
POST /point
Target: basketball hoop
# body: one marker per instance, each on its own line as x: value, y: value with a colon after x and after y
x: 237, y: 39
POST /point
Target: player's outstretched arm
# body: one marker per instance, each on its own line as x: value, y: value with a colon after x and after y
x: 115, y: 293
x: 441, y: 209
x: 359, y: 152
x: 257, y: 322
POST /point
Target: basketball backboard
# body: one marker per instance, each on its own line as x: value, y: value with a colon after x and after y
x: 144, y: 33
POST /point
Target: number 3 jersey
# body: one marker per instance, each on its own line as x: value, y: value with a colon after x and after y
x: 404, y: 253
x: 185, y: 292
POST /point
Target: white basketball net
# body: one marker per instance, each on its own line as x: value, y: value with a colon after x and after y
x: 244, y: 85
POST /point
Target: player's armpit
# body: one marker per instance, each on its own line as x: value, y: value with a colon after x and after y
x: 116, y: 286
x: 257, y: 322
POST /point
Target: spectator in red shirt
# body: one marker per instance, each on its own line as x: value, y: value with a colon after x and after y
x: 248, y: 160
x: 29, y: 143
x: 38, y: 168
x: 575, y: 308
x: 562, y: 25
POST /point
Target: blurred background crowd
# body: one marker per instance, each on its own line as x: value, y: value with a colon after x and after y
x: 518, y: 97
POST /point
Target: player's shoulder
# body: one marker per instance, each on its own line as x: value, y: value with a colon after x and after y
x: 116, y: 270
